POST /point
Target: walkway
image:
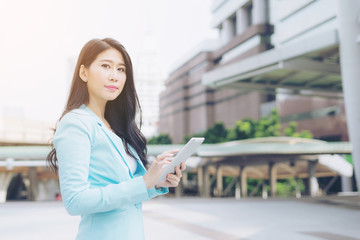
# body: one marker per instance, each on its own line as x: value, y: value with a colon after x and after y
x: 199, y: 219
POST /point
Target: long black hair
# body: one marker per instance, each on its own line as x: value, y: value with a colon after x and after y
x: 120, y: 112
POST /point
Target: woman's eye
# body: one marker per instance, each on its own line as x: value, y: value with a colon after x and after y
x: 105, y: 65
x: 121, y: 69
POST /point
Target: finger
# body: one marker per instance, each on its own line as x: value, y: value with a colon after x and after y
x: 168, y: 159
x: 178, y: 172
x: 173, y: 184
x: 160, y: 157
x: 173, y: 180
x: 182, y: 166
x: 173, y: 177
x: 165, y: 161
x: 160, y: 163
x: 168, y: 153
x: 164, y: 155
x: 173, y: 150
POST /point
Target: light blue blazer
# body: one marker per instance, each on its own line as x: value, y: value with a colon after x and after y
x: 95, y: 181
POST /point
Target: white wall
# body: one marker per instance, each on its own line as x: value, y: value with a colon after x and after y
x: 294, y: 20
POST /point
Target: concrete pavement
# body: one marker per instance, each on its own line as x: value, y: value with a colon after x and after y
x: 198, y: 219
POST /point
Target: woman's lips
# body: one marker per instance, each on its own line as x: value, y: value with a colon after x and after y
x: 112, y: 88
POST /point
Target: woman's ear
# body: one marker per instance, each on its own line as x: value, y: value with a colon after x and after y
x: 83, y: 73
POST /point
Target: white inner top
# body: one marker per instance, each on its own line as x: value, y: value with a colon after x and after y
x: 131, y: 162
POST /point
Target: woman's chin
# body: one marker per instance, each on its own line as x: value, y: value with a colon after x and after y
x: 113, y: 97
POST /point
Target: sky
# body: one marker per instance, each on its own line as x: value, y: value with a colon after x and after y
x: 41, y: 39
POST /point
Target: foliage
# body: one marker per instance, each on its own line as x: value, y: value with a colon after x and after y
x: 187, y: 138
x: 291, y: 131
x: 284, y: 187
x: 267, y: 126
x: 161, y: 139
x: 242, y: 130
x: 215, y: 134
x: 287, y: 187
x: 348, y: 158
x: 251, y: 185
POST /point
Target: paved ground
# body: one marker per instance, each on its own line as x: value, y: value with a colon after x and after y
x: 200, y: 219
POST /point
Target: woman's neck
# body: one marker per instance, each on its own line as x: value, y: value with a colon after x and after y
x: 97, y: 108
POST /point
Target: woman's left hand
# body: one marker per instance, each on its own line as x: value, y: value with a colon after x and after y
x: 172, y: 180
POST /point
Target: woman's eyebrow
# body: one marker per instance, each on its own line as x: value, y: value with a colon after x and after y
x: 110, y: 61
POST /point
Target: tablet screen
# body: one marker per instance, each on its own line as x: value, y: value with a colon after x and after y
x: 181, y: 156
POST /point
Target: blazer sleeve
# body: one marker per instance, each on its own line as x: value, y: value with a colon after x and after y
x: 140, y: 171
x: 153, y: 192
x: 72, y: 141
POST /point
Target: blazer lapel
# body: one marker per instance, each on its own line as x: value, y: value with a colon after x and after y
x: 140, y: 169
x: 117, y: 144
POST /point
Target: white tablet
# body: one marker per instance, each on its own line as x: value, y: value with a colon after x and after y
x: 181, y: 156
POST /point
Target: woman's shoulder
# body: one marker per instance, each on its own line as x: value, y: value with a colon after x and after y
x: 78, y: 117
x: 77, y: 123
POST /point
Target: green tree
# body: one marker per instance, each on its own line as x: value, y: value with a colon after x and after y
x: 187, y: 138
x: 242, y: 130
x: 215, y: 134
x: 287, y: 187
x: 290, y: 131
x: 269, y: 126
x: 161, y: 139
x: 348, y: 158
x: 248, y: 128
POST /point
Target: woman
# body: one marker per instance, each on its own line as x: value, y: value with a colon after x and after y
x: 100, y: 151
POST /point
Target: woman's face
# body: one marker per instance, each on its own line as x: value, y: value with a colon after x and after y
x: 105, y: 76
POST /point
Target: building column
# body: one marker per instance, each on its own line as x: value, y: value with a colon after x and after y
x: 238, y: 184
x: 313, y: 184
x: 272, y: 179
x: 346, y: 184
x: 242, y: 20
x: 207, y: 186
x: 43, y: 190
x: 219, y: 181
x: 260, y: 11
x: 204, y: 181
x: 47, y: 189
x: 184, y: 178
x: 349, y: 36
x: 179, y: 190
x: 264, y: 190
x: 227, y: 31
x: 297, y: 188
x: 243, y: 176
x: 32, y: 191
x: 5, y: 179
x: 200, y: 180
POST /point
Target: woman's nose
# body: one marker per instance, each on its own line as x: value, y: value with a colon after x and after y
x: 114, y: 75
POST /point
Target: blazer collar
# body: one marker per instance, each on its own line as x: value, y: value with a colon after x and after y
x: 88, y: 110
x: 112, y: 136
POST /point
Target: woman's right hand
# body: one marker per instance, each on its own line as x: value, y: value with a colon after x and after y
x: 153, y: 174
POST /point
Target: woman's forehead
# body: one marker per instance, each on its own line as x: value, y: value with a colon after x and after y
x: 111, y: 55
